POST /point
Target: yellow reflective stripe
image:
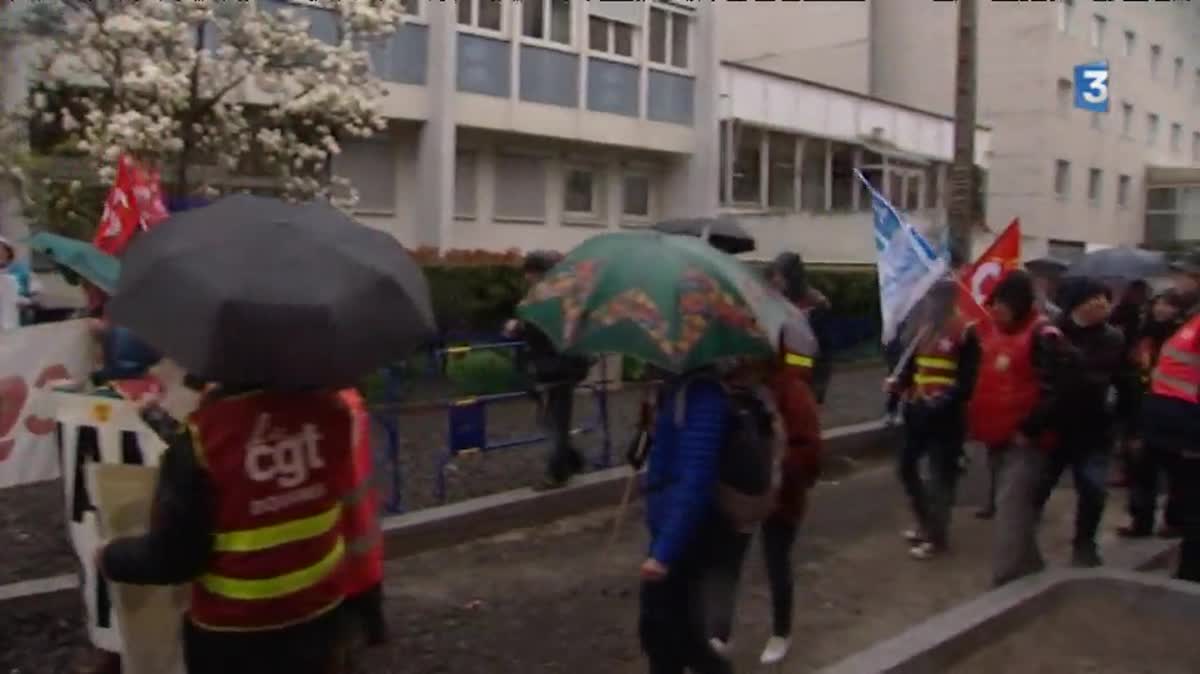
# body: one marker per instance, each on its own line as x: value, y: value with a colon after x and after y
x: 938, y: 363
x: 797, y: 360
x: 932, y: 379
x: 279, y: 586
x: 251, y: 540
x: 461, y: 402
x: 458, y: 349
x: 1181, y: 356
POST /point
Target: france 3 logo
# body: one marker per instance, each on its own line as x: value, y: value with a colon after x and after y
x: 1091, y: 86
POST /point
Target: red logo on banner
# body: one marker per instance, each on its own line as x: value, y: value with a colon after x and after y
x: 976, y: 281
x: 134, y: 204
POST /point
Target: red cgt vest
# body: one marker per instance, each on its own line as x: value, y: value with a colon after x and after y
x: 1177, y: 374
x: 1007, y: 389
x: 937, y: 359
x: 360, y: 517
x: 280, y: 463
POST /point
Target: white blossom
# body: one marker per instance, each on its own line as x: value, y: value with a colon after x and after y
x: 159, y: 97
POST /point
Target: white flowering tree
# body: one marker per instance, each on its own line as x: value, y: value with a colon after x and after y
x: 180, y: 85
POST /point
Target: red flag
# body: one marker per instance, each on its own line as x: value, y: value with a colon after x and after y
x: 975, y: 281
x: 134, y: 204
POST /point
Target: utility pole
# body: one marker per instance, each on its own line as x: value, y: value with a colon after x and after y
x: 963, y: 190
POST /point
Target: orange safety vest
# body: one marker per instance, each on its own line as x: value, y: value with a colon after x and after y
x: 937, y: 359
x: 280, y: 465
x: 360, y: 513
x: 1177, y: 374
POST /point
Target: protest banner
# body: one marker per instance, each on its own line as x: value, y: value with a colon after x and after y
x: 977, y: 280
x: 96, y: 430
x: 150, y: 618
x: 32, y: 359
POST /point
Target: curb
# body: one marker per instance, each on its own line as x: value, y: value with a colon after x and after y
x: 444, y: 526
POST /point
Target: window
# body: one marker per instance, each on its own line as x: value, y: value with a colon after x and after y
x: 1196, y: 146
x: 1067, y: 251
x: 1062, y: 177
x: 1097, y: 36
x: 1196, y: 87
x: 1176, y: 137
x: 870, y: 164
x: 933, y: 186
x: 610, y: 37
x: 1095, y: 180
x: 1064, y: 92
x: 842, y: 184
x: 1065, y: 9
x: 465, y: 190
x: 812, y: 176
x: 781, y: 171
x: 520, y: 188
x: 669, y: 36
x: 1151, y: 130
x: 635, y: 196
x: 412, y: 7
x: 1130, y: 42
x: 546, y: 20
x: 1177, y: 73
x: 912, y: 191
x: 484, y: 14
x: 370, y: 167
x: 583, y: 192
x: 1098, y: 121
x: 1126, y: 119
x: 747, y: 165
x: 1155, y: 59
x: 1122, y: 191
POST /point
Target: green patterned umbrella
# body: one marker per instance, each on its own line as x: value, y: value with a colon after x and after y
x: 673, y: 301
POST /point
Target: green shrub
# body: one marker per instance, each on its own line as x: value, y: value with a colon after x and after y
x: 482, y: 373
x: 475, y: 298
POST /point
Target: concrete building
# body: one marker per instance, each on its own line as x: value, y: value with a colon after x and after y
x: 1075, y: 179
x: 536, y: 124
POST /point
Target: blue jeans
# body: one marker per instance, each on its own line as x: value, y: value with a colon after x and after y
x: 1088, y: 461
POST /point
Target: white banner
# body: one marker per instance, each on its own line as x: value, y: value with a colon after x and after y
x: 106, y: 431
x: 30, y: 359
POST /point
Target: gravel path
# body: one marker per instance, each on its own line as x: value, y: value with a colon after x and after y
x: 556, y: 599
x: 33, y: 533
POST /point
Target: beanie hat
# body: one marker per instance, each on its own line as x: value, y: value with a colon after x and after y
x: 1077, y: 291
x: 1015, y: 291
x: 790, y: 267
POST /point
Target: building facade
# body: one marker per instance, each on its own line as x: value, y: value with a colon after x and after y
x: 1076, y: 179
x: 537, y: 124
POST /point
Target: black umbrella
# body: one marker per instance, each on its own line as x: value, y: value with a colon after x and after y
x: 725, y: 234
x: 257, y: 291
x: 1124, y: 263
x: 1047, y: 266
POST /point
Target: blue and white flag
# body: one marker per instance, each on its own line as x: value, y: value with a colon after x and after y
x: 908, y: 264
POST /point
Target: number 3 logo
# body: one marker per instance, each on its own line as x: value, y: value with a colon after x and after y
x: 1096, y: 91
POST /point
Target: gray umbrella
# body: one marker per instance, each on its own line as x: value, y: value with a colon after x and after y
x: 257, y: 291
x: 724, y: 233
x: 1124, y: 263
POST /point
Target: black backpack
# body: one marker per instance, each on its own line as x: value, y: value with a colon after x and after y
x: 748, y: 466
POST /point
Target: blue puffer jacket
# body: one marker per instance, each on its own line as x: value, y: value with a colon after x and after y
x: 682, y: 469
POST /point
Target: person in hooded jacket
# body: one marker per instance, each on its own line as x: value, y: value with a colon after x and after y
x: 1094, y: 385
x: 788, y: 275
x: 1147, y: 462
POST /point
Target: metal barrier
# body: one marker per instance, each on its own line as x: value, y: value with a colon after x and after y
x: 466, y: 424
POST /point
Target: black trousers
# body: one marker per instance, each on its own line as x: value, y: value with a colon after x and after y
x: 778, y: 538
x: 1087, y: 458
x: 561, y: 460
x: 313, y: 647
x: 1186, y: 475
x: 1148, y: 469
x: 673, y: 624
x: 940, y: 439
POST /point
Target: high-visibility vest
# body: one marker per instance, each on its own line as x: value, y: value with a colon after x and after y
x: 1007, y: 390
x: 1177, y: 374
x: 937, y: 359
x: 360, y: 508
x: 280, y: 464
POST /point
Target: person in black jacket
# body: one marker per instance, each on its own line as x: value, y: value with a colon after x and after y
x: 1094, y: 393
x: 557, y: 375
x: 788, y: 275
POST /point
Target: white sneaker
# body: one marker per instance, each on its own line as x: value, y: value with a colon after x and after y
x: 719, y: 646
x: 776, y: 650
x: 923, y: 551
x: 914, y: 536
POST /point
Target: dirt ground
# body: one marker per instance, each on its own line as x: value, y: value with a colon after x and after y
x: 32, y: 527
x: 557, y: 599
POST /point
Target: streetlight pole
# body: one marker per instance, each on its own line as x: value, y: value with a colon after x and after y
x: 963, y: 190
